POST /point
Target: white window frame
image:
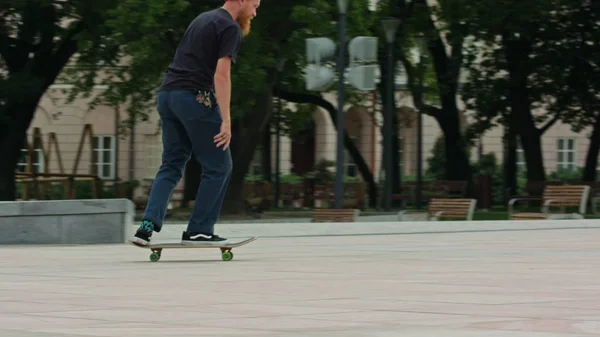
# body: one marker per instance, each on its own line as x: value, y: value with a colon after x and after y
x: 565, y: 163
x: 36, y: 166
x: 154, y: 150
x: 100, y: 141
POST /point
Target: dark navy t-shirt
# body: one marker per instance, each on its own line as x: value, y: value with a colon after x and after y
x: 209, y: 37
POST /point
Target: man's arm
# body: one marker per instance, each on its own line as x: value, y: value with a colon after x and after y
x: 223, y: 87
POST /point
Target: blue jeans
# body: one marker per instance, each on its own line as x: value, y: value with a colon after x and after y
x: 189, y: 123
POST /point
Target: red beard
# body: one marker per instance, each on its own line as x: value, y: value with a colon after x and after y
x: 244, y: 23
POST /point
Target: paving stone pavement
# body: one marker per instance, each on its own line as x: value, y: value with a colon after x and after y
x: 477, y: 283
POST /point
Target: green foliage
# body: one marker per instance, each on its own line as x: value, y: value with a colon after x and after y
x: 557, y: 38
x: 489, y: 166
x: 290, y: 178
x: 146, y: 34
x: 569, y: 62
x: 38, y: 39
x: 436, y: 164
x: 566, y: 175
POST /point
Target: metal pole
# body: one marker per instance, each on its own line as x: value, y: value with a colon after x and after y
x: 419, y: 159
x: 388, y: 130
x: 277, y: 151
x: 339, y: 172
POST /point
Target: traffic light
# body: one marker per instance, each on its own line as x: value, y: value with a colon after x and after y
x: 319, y: 76
x: 363, y: 50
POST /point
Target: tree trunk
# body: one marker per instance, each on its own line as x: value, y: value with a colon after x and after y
x: 532, y: 147
x: 35, y: 74
x: 529, y: 134
x: 510, y: 163
x: 13, y: 132
x: 358, y: 159
x: 11, y: 146
x: 516, y: 52
x: 454, y: 146
x: 447, y: 69
x: 591, y: 161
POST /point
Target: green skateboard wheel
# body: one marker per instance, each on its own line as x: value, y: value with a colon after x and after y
x: 154, y: 257
x: 227, y: 256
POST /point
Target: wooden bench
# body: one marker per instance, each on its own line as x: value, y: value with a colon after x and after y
x: 448, y: 208
x: 561, y: 196
x: 594, y: 198
x: 335, y: 215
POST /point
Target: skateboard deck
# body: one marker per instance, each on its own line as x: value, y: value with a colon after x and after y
x: 226, y: 253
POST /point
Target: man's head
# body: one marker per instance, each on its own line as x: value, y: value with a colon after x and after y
x: 243, y: 11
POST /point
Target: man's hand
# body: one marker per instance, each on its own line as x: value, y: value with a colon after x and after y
x: 224, y: 137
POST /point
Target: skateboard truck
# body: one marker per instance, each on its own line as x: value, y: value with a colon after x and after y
x: 226, y: 254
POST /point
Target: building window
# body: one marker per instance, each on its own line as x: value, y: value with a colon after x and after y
x: 104, y: 156
x: 350, y: 166
x: 37, y: 161
x: 401, y: 156
x: 521, y: 164
x: 566, y: 153
x: 153, y: 157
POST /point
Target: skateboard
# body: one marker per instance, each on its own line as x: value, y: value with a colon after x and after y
x: 226, y: 253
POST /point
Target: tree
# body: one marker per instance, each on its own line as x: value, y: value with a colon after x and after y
x: 573, y: 73
x: 444, y: 30
x: 515, y: 44
x: 535, y: 55
x: 147, y: 32
x: 37, y: 40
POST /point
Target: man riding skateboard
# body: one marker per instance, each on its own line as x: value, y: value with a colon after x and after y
x: 193, y: 103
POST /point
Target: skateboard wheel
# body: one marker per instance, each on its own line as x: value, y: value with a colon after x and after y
x: 227, y: 256
x: 154, y: 257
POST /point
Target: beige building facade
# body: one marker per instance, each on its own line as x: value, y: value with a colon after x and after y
x: 119, y: 157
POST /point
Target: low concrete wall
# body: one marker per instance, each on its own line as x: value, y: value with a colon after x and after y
x: 65, y: 221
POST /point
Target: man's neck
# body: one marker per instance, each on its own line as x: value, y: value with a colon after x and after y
x: 230, y: 7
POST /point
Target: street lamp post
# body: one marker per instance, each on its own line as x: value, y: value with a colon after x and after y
x: 390, y: 27
x: 339, y: 171
x: 319, y: 77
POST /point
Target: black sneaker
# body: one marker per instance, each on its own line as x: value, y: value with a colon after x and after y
x: 190, y: 238
x: 144, y: 233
